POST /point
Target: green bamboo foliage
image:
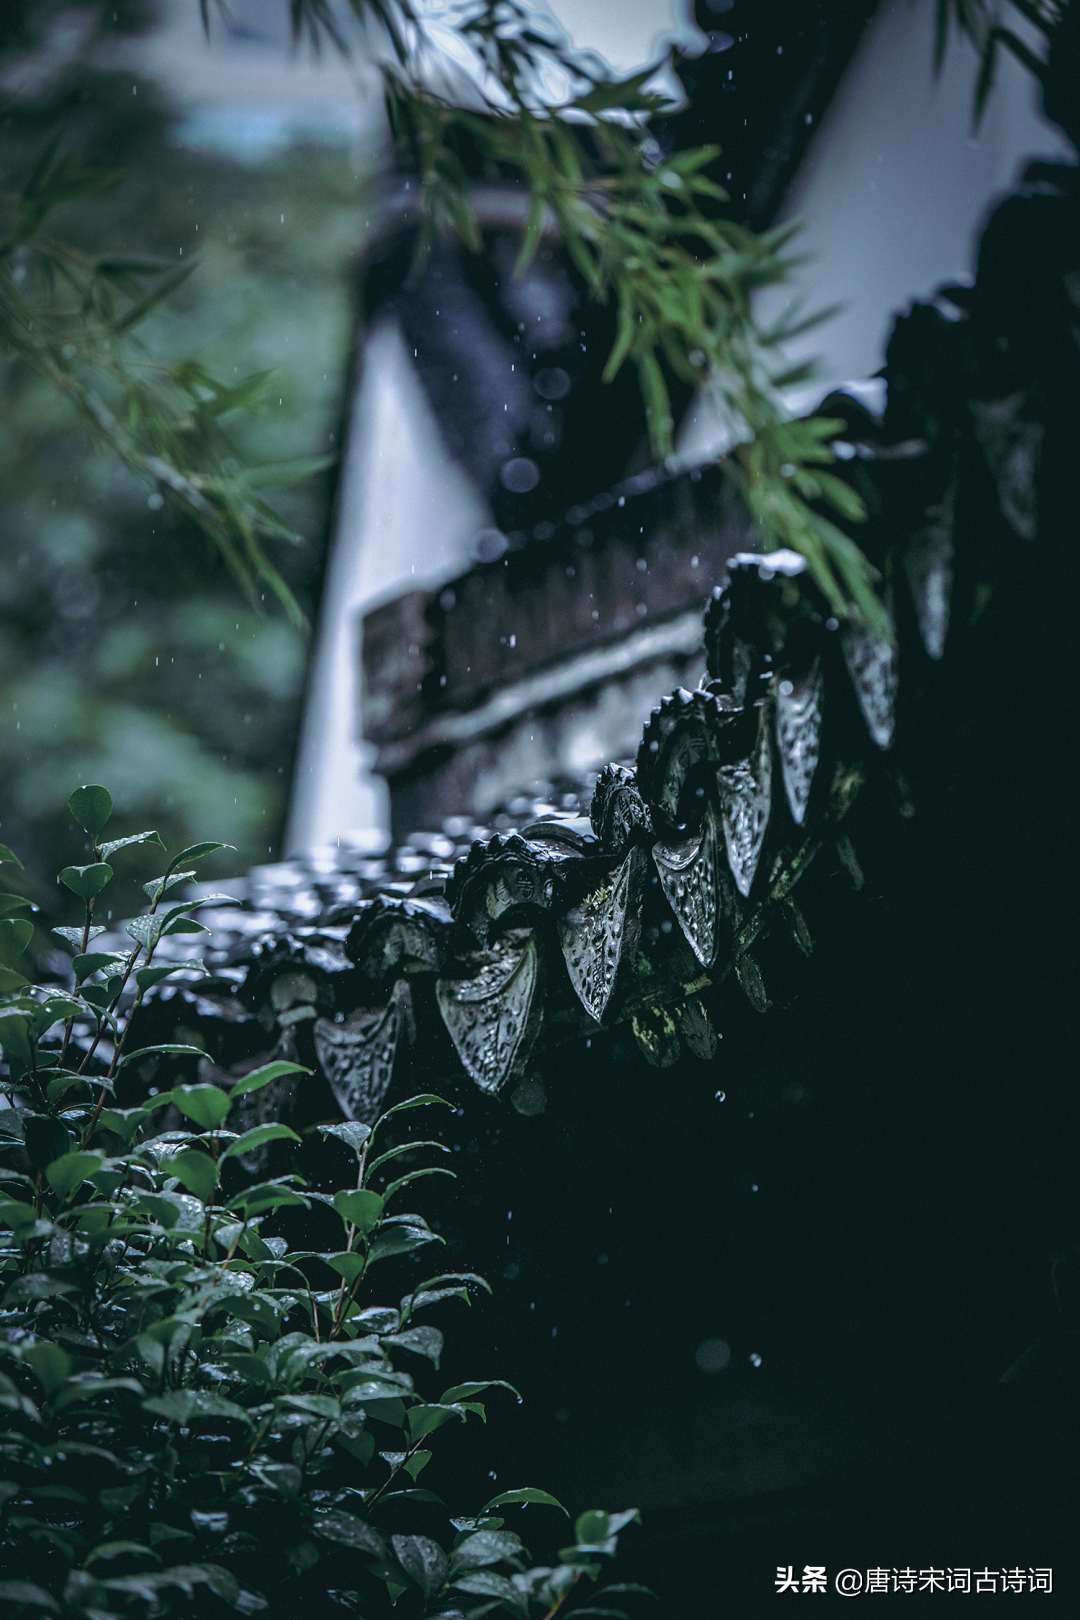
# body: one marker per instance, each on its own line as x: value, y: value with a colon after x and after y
x: 644, y: 231
x: 978, y: 21
x: 75, y: 320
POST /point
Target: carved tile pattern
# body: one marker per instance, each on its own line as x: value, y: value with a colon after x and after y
x: 357, y: 1056
x: 1012, y: 443
x: 492, y: 1018
x: 871, y: 664
x: 594, y: 937
x: 798, y: 735
x: 392, y: 931
x: 745, y: 801
x: 618, y: 812
x: 691, y: 878
x: 928, y: 559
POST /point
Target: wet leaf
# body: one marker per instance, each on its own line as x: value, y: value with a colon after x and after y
x: 400, y: 1239
x: 194, y: 852
x: 362, y: 1209
x: 416, y: 1175
x: 267, y: 1195
x: 257, y: 1137
x: 15, y: 1036
x: 595, y: 1528
x: 145, y: 977
x: 424, y: 1561
x: 126, y: 843
x: 486, y: 1583
x: 196, y: 1170
x: 263, y: 1076
x: 349, y: 1266
x: 349, y: 1131
x: 74, y: 936
x: 186, y: 1405
x: 207, y: 1105
x: 529, y: 1494
x: 15, y: 935
x: 348, y: 1531
x: 27, y: 1592
x: 184, y: 925
x: 424, y: 1100
x: 487, y: 1547
x: 425, y: 1420
x: 87, y: 881
x: 96, y: 962
x: 49, y: 1364
x: 423, y: 1341
x: 68, y: 1173
x: 47, y: 1139
x: 91, y: 808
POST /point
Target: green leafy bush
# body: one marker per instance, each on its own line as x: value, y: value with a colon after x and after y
x: 196, y: 1415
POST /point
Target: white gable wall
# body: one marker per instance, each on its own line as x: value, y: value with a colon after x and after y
x: 894, y: 193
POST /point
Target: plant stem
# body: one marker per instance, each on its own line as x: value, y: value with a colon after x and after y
x: 85, y: 941
x: 557, y: 1605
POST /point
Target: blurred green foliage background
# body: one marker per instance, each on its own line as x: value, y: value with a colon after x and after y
x: 127, y: 654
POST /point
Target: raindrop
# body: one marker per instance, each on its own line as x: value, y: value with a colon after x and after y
x: 155, y: 501
x: 721, y: 1096
x: 490, y: 545
x: 519, y: 475
x: 712, y: 1355
x: 755, y: 1360
x: 552, y: 382
x: 216, y: 1523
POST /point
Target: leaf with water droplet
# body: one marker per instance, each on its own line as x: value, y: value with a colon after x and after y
x: 91, y: 807
x: 86, y: 881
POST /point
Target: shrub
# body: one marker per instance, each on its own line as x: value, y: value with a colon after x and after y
x: 197, y: 1415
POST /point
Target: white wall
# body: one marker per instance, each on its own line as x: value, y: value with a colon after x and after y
x: 407, y: 519
x: 246, y: 90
